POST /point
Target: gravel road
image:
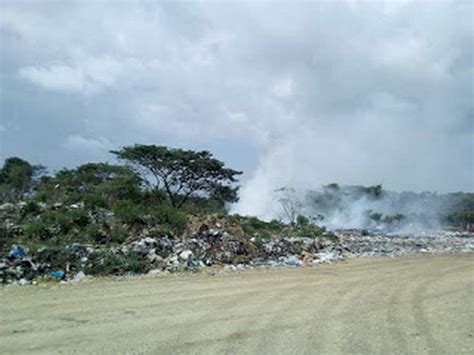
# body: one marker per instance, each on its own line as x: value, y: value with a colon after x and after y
x: 410, y: 305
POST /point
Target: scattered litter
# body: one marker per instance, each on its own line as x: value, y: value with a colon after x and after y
x: 57, y: 274
x: 17, y: 252
x: 80, y: 276
x: 218, y: 243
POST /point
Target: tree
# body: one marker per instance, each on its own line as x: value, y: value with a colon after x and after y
x: 182, y: 173
x: 375, y: 191
x: 18, y: 177
x: 290, y: 203
x: 99, y: 182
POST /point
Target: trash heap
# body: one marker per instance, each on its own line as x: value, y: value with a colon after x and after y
x: 214, y: 242
x: 362, y: 243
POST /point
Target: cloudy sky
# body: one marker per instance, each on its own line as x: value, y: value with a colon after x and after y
x: 291, y: 92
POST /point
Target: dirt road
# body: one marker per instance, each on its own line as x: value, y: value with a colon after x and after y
x: 416, y: 305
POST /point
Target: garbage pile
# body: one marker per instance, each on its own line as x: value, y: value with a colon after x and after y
x: 214, y: 243
x: 361, y: 243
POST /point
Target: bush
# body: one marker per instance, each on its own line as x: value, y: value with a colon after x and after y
x: 4, y: 238
x: 55, y: 258
x: 128, y: 212
x: 253, y: 226
x: 310, y: 231
x: 94, y: 200
x: 118, y: 234
x: 393, y: 218
x: 92, y: 233
x: 31, y: 208
x: 375, y: 216
x: 302, y: 221
x: 331, y: 236
x: 38, y: 229
x: 259, y: 241
x: 108, y: 263
x: 460, y: 219
x: 168, y: 217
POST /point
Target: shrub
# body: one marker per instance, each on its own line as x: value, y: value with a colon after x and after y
x: 375, y: 216
x: 310, y: 231
x: 302, y: 221
x: 92, y: 233
x: 331, y: 236
x: 393, y: 218
x: 460, y: 219
x: 168, y: 217
x: 118, y: 234
x: 55, y: 258
x: 94, y: 200
x: 252, y: 226
x: 108, y: 263
x: 38, y: 229
x: 31, y: 208
x: 128, y: 212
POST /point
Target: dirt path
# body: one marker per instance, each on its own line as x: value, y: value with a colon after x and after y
x: 422, y: 305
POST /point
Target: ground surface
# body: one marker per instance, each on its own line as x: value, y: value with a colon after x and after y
x: 410, y: 305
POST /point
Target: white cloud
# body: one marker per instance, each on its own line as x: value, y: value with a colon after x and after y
x: 55, y: 77
x: 89, y: 76
x: 88, y: 145
x: 283, y: 88
x: 356, y: 92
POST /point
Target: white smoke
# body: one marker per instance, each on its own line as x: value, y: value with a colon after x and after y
x: 357, y: 92
x: 383, y: 99
x: 374, y: 208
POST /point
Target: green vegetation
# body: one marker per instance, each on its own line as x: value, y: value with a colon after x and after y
x: 166, y: 193
x: 392, y: 210
x: 108, y: 263
x: 158, y: 192
x: 181, y: 173
x: 102, y: 204
x: 255, y: 227
x: 18, y: 178
x: 261, y: 230
x: 461, y: 219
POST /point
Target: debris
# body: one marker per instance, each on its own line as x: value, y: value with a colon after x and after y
x: 216, y: 242
x: 58, y: 274
x: 17, y: 252
x: 292, y: 261
x: 23, y: 282
x: 76, y: 206
x: 186, y: 254
x: 7, y: 206
x: 80, y: 276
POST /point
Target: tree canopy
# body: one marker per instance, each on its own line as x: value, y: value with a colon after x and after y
x: 94, y: 182
x: 18, y: 177
x: 181, y: 173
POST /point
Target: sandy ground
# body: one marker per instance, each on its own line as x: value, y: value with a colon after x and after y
x: 415, y: 305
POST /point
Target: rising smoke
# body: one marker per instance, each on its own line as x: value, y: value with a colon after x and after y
x: 382, y: 98
x: 373, y: 208
x: 357, y: 92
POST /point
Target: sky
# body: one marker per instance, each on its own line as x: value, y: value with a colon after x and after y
x: 298, y: 93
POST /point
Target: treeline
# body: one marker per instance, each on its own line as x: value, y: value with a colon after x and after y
x: 374, y: 206
x: 138, y: 215
x: 153, y: 187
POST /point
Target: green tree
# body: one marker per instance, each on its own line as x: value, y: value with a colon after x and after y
x: 18, y: 177
x: 181, y: 173
x: 93, y: 183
